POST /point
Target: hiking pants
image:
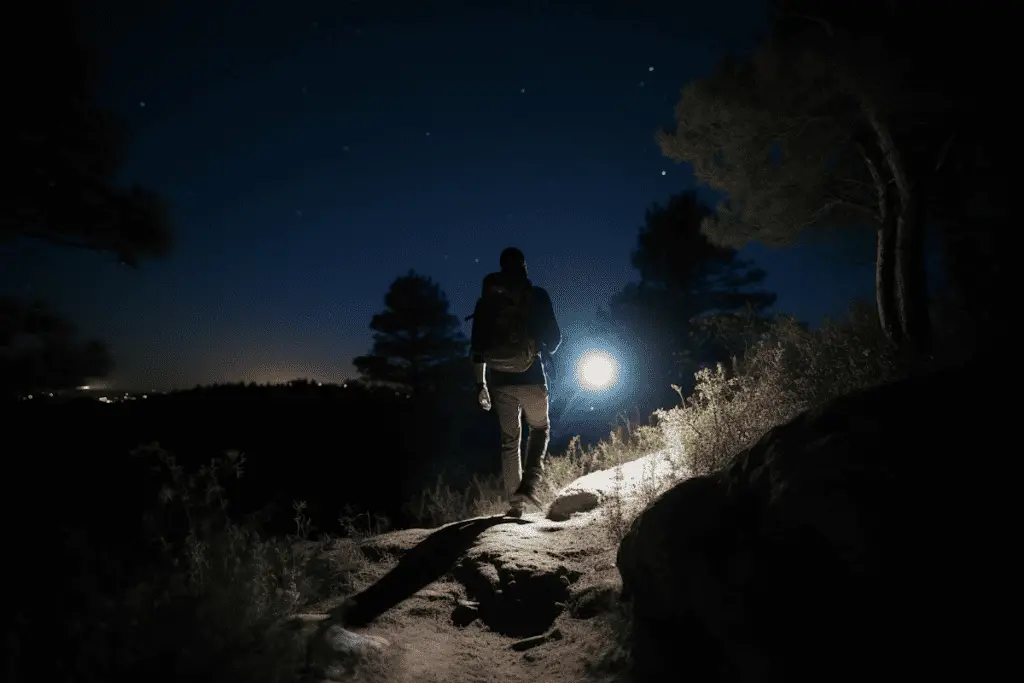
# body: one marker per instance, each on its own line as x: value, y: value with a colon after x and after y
x: 512, y: 403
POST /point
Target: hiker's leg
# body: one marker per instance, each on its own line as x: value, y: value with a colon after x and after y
x: 506, y: 404
x: 534, y: 399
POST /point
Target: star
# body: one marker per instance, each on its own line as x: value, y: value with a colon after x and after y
x: 641, y: 84
x: 522, y: 90
x: 428, y: 133
x: 650, y: 68
x: 142, y: 104
x: 663, y: 173
x: 345, y: 148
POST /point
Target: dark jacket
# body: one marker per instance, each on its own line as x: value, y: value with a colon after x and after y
x: 544, y: 329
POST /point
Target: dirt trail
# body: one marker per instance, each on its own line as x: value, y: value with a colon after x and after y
x: 453, y: 602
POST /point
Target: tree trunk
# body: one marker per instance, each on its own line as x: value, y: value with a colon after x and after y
x: 911, y: 279
x: 885, y: 276
x: 885, y: 263
x: 910, y: 286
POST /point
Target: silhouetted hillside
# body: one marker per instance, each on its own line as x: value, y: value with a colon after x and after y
x: 331, y: 446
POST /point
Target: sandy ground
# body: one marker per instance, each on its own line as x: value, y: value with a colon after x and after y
x: 453, y: 603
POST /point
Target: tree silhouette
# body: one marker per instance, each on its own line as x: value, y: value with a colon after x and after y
x: 684, y: 278
x: 415, y: 338
x: 833, y: 122
x: 64, y: 152
x: 39, y: 350
x: 67, y: 152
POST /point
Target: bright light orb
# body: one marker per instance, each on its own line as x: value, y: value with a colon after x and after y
x: 596, y: 370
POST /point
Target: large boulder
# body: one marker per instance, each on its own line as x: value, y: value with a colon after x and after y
x: 863, y: 537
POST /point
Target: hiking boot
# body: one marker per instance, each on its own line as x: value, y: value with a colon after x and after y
x: 530, y: 488
x: 515, y: 508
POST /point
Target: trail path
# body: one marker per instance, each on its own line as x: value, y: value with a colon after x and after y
x: 488, y: 600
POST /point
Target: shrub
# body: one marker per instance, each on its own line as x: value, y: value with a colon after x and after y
x: 443, y: 503
x: 789, y: 369
x: 359, y: 525
x: 215, y: 603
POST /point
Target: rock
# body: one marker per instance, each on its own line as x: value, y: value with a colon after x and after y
x: 841, y: 544
x: 465, y: 613
x: 569, y: 502
x: 594, y: 599
x: 589, y: 491
x: 347, y: 643
x: 336, y: 651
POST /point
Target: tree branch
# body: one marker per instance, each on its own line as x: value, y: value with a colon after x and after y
x: 60, y: 240
x: 945, y: 151
x: 859, y: 208
x: 825, y: 24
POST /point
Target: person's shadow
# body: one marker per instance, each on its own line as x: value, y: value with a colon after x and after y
x: 420, y: 566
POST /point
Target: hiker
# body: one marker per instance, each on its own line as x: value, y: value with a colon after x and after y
x: 514, y: 327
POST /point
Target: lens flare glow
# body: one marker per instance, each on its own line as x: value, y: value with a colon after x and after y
x: 596, y: 370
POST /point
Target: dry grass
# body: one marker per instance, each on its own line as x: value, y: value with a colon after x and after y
x: 627, y: 500
x: 787, y: 371
x: 626, y: 443
x: 444, y: 503
x: 216, y: 604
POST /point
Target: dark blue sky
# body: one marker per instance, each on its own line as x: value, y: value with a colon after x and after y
x: 313, y: 151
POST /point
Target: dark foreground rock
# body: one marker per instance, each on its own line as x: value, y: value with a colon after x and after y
x: 868, y: 536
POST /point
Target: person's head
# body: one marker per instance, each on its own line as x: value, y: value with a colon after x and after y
x: 512, y: 261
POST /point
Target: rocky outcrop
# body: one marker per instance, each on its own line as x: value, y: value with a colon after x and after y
x: 592, y: 490
x: 864, y: 537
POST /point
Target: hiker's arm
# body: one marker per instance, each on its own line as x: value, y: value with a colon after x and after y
x: 479, y: 367
x: 552, y: 334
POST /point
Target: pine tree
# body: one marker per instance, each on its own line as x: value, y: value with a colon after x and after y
x: 415, y: 338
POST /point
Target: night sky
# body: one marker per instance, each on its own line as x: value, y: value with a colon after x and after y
x: 313, y: 151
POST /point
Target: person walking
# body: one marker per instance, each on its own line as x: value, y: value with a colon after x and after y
x: 514, y: 329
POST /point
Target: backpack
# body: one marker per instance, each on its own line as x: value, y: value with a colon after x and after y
x: 502, y: 317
